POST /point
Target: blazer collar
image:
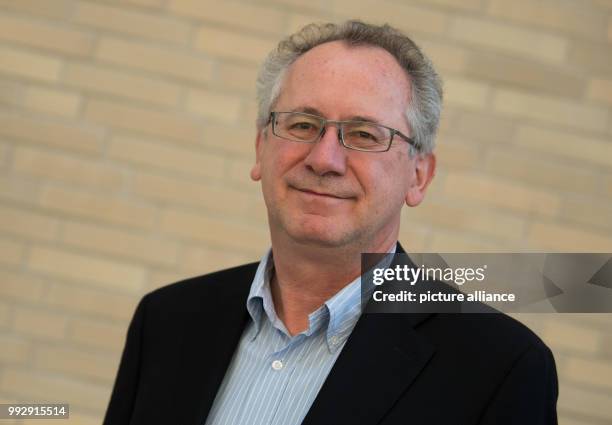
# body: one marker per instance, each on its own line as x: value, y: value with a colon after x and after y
x: 380, y: 360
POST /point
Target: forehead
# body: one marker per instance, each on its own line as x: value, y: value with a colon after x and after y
x: 341, y: 80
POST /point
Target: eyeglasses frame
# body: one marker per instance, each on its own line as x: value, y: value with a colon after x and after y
x: 339, y: 125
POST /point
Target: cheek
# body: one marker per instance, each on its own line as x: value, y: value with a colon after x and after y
x: 387, y: 181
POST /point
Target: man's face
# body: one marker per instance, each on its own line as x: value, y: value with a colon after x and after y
x: 323, y: 193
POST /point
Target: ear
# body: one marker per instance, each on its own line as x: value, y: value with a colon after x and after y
x: 423, y: 174
x: 256, y: 170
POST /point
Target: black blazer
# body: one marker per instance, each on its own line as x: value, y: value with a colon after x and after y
x: 437, y: 369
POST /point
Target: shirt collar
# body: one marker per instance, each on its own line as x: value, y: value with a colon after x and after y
x: 341, y: 311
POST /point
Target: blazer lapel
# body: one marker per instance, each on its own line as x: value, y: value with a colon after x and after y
x: 380, y: 360
x: 382, y: 357
x: 210, y: 337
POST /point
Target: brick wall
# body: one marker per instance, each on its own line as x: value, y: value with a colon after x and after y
x: 126, y: 138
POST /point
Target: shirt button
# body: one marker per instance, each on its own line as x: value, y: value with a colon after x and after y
x: 277, y: 365
x: 334, y: 340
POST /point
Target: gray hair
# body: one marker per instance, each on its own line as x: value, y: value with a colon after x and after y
x: 423, y: 114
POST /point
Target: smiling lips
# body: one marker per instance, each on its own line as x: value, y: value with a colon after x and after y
x: 322, y: 194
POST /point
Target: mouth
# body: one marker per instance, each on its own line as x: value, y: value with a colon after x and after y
x: 321, y: 194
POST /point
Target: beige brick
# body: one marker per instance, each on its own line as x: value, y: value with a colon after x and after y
x: 601, y: 90
x: 15, y: 189
x: 200, y: 260
x: 238, y: 173
x: 217, y: 232
x: 56, y: 166
x: 464, y: 92
x: 574, y: 147
x: 51, y: 101
x: 147, y: 3
x: 303, y: 5
x: 75, y: 362
x: 48, y: 8
x: 588, y: 211
x: 566, y: 238
x: 592, y: 372
x: 118, y: 243
x: 445, y: 56
x: 4, y: 153
x: 297, y: 21
x: 165, y: 61
x: 96, y: 78
x: 98, y: 207
x: 608, y: 185
x: 483, y: 126
x: 86, y: 269
x: 237, y: 77
x: 487, y: 191
x: 530, y: 75
x: 166, y: 156
x: 148, y: 121
x: 35, y: 385
x: 566, y: 17
x: 395, y: 13
x: 610, y: 29
x: 565, y: 336
x: 457, y: 4
x: 39, y: 323
x: 25, y: 64
x: 228, y: 44
x: 27, y: 223
x: 594, y: 57
x: 15, y: 350
x: 11, y: 252
x: 76, y: 138
x: 5, y: 315
x: 456, y: 153
x: 219, y: 107
x: 97, y: 334
x: 524, y: 42
x: 592, y: 403
x: 140, y: 24
x: 539, y: 170
x: 160, y: 278
x: 599, y: 321
x: 20, y: 286
x: 550, y: 109
x: 217, y: 199
x: 92, y: 301
x: 11, y: 93
x: 604, y: 4
x: 454, y: 218
x: 245, y: 15
x: 233, y: 139
x: 50, y: 37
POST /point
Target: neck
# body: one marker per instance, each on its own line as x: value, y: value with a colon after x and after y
x: 306, y: 276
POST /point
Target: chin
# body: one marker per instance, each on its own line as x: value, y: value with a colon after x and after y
x: 321, y: 234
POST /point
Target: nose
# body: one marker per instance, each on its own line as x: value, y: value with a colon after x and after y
x: 327, y: 156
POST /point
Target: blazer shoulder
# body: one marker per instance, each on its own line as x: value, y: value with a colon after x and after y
x: 234, y: 281
x: 494, y: 333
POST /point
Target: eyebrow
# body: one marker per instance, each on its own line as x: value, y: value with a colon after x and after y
x: 315, y: 111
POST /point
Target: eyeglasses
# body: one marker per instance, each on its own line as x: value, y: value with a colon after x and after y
x: 358, y: 135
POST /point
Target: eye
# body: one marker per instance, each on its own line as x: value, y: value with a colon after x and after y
x: 365, y: 135
x: 302, y: 126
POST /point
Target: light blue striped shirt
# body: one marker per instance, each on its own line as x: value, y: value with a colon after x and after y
x: 274, y: 377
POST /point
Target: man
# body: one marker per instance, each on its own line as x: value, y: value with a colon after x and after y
x: 347, y: 118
